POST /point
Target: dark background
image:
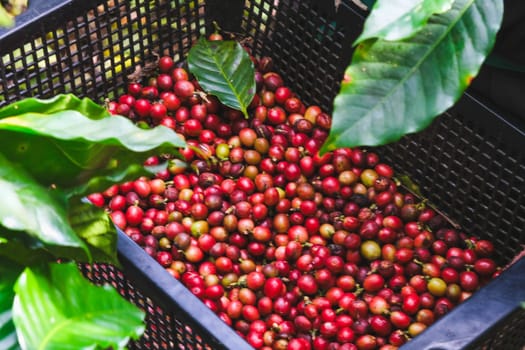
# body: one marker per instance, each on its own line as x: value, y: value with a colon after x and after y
x: 502, y: 78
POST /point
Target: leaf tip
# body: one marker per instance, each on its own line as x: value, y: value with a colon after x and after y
x: 359, y: 40
x: 328, y: 146
x: 347, y: 78
x: 468, y: 79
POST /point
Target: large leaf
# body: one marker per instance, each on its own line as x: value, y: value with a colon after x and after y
x: 224, y: 69
x: 123, y: 170
x: 67, y: 141
x: 8, y: 274
x: 31, y: 208
x: 56, y: 308
x: 24, y: 249
x: 397, y: 87
x: 59, y: 103
x: 94, y: 226
x: 399, y: 19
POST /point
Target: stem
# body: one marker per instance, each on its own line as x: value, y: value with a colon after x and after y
x: 216, y: 27
x: 202, y: 95
x: 433, y: 207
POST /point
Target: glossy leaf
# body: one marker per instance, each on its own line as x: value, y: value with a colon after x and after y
x: 66, y: 141
x: 56, y: 308
x: 9, y: 272
x: 24, y: 249
x: 123, y: 170
x: 399, y: 19
x: 397, y: 87
x: 59, y: 103
x: 39, y: 225
x: 94, y: 226
x: 32, y: 209
x: 224, y: 69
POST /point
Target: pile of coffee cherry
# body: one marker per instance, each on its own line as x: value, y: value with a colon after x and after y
x: 291, y: 248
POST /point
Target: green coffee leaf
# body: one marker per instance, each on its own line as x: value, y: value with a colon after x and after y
x: 9, y: 272
x: 66, y: 141
x: 56, y: 308
x: 24, y: 249
x: 397, y: 87
x: 94, y: 226
x: 33, y: 209
x: 399, y: 19
x: 224, y: 69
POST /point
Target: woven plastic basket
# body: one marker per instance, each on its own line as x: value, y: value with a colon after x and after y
x: 470, y: 163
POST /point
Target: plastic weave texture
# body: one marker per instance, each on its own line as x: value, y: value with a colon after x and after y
x: 165, y: 330
x: 507, y: 336
x: 470, y: 163
x: 90, y: 47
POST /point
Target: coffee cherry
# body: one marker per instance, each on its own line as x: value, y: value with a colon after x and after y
x: 165, y: 64
x: 370, y: 250
x: 293, y: 249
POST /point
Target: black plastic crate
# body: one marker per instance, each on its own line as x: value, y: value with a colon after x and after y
x: 470, y: 162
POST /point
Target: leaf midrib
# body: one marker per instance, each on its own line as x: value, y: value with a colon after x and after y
x: 419, y: 62
x: 224, y: 75
x: 69, y: 321
x: 386, y: 25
